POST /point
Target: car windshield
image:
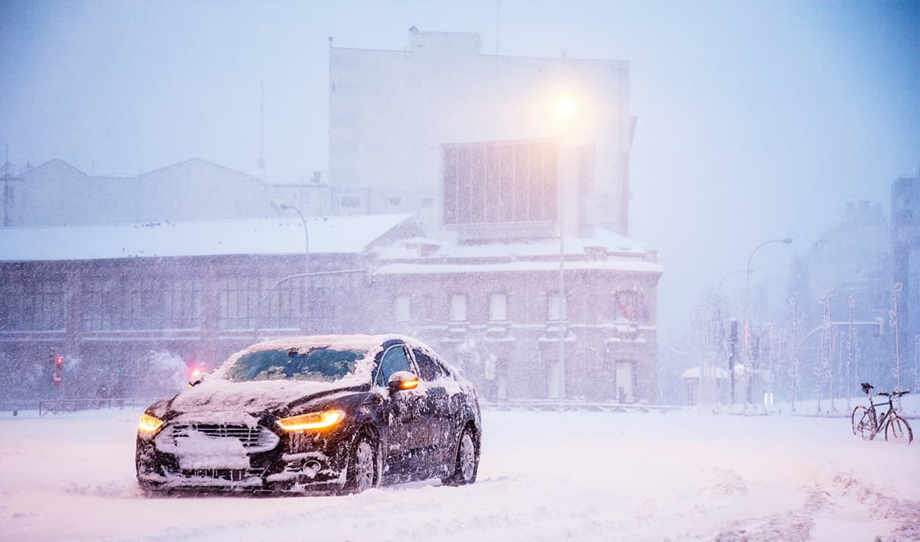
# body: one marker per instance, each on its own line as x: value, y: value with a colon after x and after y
x: 317, y: 364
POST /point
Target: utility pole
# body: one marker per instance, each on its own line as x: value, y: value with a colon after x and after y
x: 7, y: 196
x: 794, y: 301
x: 732, y: 355
x: 893, y: 322
x: 851, y: 345
x: 826, y: 329
x: 261, y: 162
x: 498, y: 9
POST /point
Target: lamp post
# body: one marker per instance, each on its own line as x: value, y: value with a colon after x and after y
x: 565, y: 111
x: 306, y: 251
x: 730, y: 273
x: 747, y: 300
x: 562, y: 314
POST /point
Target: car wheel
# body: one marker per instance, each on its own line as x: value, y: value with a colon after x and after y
x: 362, y: 466
x: 148, y: 489
x: 466, y: 463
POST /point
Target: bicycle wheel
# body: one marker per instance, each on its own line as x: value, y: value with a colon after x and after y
x: 863, y: 422
x: 898, y: 430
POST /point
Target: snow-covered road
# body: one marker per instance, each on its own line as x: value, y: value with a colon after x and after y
x: 544, y: 476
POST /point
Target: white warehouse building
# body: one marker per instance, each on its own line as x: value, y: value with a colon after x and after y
x: 392, y: 112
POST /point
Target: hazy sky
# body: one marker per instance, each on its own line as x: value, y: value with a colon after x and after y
x: 756, y: 119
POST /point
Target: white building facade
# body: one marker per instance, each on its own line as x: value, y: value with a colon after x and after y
x: 390, y: 113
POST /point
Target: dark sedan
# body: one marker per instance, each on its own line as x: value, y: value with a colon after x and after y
x: 340, y: 412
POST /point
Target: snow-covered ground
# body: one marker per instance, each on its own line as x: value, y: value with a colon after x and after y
x: 544, y: 476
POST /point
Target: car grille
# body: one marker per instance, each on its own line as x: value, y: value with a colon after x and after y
x: 230, y: 475
x: 250, y: 436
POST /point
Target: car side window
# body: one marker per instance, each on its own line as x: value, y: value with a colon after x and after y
x: 429, y: 369
x: 394, y: 360
x: 447, y: 372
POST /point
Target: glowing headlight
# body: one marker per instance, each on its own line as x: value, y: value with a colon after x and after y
x: 313, y: 420
x: 149, y: 424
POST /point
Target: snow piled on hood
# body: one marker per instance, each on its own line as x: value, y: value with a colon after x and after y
x: 216, y: 393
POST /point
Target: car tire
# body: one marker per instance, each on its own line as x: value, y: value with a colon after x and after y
x: 362, y: 465
x: 149, y: 489
x: 466, y: 462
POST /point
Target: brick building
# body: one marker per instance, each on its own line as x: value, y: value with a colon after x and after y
x: 108, y: 295
x: 111, y: 294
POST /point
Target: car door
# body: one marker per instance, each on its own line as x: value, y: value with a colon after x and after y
x: 406, y: 431
x: 436, y: 408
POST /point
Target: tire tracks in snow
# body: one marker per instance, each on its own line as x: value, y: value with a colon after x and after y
x: 843, y: 494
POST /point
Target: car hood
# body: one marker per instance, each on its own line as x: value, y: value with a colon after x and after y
x: 221, y: 396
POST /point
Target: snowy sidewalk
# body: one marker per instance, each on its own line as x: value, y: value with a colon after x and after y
x: 544, y: 476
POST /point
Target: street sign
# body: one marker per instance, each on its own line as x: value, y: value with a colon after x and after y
x: 58, y: 377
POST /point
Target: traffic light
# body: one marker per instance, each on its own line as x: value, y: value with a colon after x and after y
x: 59, y: 361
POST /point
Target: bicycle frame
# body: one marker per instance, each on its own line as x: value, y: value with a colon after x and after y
x: 872, y: 422
x: 879, y: 419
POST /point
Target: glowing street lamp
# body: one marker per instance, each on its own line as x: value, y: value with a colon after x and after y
x: 565, y: 108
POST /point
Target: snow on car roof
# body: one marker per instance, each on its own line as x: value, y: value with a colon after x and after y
x: 218, y: 393
x: 328, y: 235
x: 371, y: 344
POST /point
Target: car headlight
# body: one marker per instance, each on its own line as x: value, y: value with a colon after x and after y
x: 149, y: 424
x: 313, y: 420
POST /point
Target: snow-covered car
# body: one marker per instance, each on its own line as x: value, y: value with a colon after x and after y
x: 319, y: 413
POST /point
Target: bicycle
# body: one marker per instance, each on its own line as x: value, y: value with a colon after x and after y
x: 867, y: 424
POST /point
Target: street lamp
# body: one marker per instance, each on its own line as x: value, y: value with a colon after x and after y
x: 565, y: 111
x: 747, y: 294
x: 729, y: 274
x: 747, y: 282
x: 565, y: 108
x: 306, y: 252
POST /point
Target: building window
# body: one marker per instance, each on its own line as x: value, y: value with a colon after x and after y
x: 238, y: 299
x: 122, y: 304
x: 282, y: 305
x: 242, y: 300
x: 104, y: 304
x: 146, y: 304
x: 32, y: 305
x: 626, y: 305
x: 394, y: 201
x: 402, y: 308
x: 141, y: 304
x: 500, y: 181
x: 330, y: 302
x: 351, y: 202
x: 553, y: 307
x: 498, y: 307
x: 458, y: 308
x: 183, y: 304
x: 423, y: 311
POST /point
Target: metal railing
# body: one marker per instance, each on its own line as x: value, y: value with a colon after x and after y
x: 75, y: 405
x: 56, y: 406
x: 573, y: 406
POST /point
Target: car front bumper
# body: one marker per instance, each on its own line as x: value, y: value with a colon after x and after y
x: 182, y: 456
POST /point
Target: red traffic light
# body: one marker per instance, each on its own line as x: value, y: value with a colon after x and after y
x: 59, y: 360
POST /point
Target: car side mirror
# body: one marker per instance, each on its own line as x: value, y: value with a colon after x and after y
x: 402, y: 380
x: 195, y: 381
